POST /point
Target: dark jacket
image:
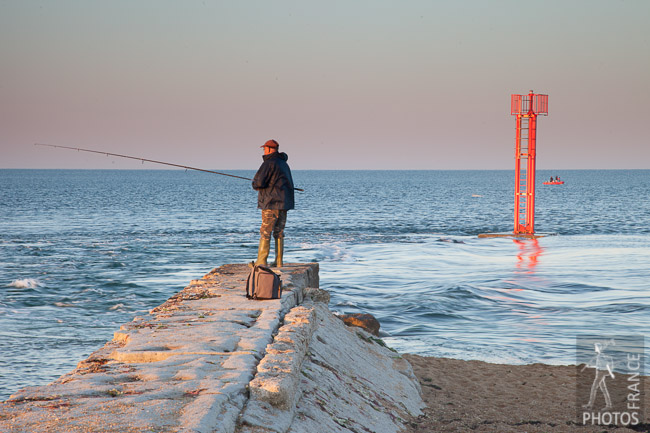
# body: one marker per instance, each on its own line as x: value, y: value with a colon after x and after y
x: 274, y: 183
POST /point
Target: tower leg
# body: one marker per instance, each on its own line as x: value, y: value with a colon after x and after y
x: 530, y: 200
x: 517, y: 170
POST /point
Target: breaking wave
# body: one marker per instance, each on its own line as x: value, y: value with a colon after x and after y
x: 27, y: 283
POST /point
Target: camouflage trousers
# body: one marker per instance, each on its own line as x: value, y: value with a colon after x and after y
x: 273, y: 221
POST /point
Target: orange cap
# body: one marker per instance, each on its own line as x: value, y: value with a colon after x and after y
x: 271, y: 143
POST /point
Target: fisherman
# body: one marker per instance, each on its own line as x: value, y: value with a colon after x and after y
x: 274, y: 186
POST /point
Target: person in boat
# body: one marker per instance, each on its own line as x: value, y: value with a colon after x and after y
x: 275, y: 196
x: 551, y: 179
x: 557, y: 178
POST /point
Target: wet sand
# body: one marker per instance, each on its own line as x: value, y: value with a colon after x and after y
x: 475, y: 396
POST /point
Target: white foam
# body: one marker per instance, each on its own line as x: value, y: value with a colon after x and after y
x: 63, y: 304
x: 27, y: 283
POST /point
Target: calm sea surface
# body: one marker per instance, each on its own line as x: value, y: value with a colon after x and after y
x: 82, y: 252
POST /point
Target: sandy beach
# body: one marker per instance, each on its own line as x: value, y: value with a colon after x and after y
x: 475, y: 396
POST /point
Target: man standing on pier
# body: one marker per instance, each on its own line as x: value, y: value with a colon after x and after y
x: 274, y: 186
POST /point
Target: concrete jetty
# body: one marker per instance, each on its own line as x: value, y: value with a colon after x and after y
x: 211, y: 360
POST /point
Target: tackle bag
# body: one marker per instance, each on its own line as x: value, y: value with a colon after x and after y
x: 263, y: 283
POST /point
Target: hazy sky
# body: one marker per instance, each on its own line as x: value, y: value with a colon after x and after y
x: 340, y: 84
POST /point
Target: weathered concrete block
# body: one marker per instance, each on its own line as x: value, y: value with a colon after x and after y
x: 317, y: 295
x: 347, y: 381
x: 278, y: 373
x: 277, y: 390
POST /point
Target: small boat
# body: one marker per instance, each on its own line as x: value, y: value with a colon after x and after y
x: 555, y: 182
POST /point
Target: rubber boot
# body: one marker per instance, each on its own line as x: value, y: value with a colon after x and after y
x: 279, y: 252
x: 263, y: 252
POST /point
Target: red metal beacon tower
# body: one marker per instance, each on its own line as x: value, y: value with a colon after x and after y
x: 526, y: 108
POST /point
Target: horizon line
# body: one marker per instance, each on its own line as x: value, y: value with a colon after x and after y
x: 320, y: 169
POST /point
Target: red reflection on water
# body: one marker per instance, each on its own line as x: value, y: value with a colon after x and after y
x: 529, y: 253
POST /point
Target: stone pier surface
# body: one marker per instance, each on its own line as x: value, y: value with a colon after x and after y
x: 211, y: 360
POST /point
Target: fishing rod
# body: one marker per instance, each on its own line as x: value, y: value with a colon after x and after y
x: 147, y: 160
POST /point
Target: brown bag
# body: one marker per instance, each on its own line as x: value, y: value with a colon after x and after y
x: 263, y: 283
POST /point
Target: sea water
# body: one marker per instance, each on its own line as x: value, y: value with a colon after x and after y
x: 82, y: 252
